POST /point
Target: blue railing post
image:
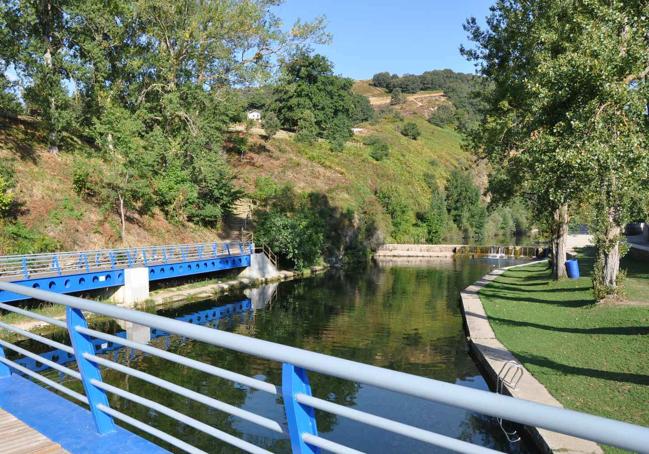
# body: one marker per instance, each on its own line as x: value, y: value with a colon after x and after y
x: 56, y: 264
x: 89, y: 371
x: 111, y: 255
x: 241, y: 247
x: 227, y: 248
x: 5, y: 371
x: 215, y: 249
x: 300, y: 418
x: 251, y: 248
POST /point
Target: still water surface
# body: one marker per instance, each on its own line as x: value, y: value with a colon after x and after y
x: 404, y: 317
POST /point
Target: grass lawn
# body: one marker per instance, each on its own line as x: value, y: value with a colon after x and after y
x: 591, y: 357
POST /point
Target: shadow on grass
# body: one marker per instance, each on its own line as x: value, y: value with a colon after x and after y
x: 528, y: 299
x: 516, y: 288
x: 612, y: 330
x: 619, y: 377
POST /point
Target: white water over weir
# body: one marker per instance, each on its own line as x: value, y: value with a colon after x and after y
x: 437, y: 251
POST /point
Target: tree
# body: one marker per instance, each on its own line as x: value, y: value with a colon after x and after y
x: 310, y: 98
x: 396, y: 97
x: 382, y: 80
x: 436, y: 218
x: 410, y: 130
x: 568, y: 101
x: 442, y: 116
x: 126, y: 186
x: 271, y: 124
x: 463, y: 203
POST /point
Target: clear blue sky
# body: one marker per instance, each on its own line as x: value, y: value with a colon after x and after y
x: 399, y: 36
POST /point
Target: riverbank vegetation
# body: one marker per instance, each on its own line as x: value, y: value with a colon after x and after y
x: 565, y: 119
x: 591, y: 357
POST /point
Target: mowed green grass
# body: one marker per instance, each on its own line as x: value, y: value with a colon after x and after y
x: 591, y: 357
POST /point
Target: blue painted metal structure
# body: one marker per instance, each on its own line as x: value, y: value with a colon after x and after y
x: 301, y: 405
x: 73, y: 272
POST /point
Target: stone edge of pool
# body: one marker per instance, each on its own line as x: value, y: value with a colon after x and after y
x: 491, y: 354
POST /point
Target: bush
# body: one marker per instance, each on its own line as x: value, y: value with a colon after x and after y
x: 464, y: 205
x: 379, y: 149
x: 295, y: 237
x: 396, y: 97
x: 17, y: 238
x: 400, y: 214
x: 271, y: 124
x: 7, y: 198
x: 443, y: 116
x: 411, y: 130
x: 436, y: 218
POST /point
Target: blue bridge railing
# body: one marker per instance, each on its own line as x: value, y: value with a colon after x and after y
x: 295, y: 391
x: 70, y: 272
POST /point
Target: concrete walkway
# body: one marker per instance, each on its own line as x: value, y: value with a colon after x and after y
x: 493, y: 355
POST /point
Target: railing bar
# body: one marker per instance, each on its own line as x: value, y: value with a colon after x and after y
x: 45, y: 380
x: 209, y: 369
x: 36, y: 337
x: 151, y: 430
x: 40, y: 359
x: 185, y: 392
x: 328, y: 445
x: 188, y: 420
x: 43, y: 318
x: 392, y: 426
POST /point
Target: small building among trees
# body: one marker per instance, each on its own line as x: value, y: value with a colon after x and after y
x: 254, y: 115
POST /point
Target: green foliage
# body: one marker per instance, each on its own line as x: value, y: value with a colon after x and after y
x: 67, y: 209
x: 436, y: 218
x: 361, y: 109
x: 271, y: 124
x: 397, y: 97
x: 572, y: 109
x: 401, y: 215
x: 443, y: 116
x: 17, y: 238
x: 314, y: 102
x: 306, y: 129
x: 463, y: 204
x: 410, y: 130
x: 7, y: 197
x: 379, y: 149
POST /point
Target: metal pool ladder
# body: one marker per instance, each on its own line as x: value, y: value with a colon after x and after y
x: 510, y: 374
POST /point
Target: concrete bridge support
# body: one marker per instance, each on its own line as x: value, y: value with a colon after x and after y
x: 260, y: 267
x: 135, y: 289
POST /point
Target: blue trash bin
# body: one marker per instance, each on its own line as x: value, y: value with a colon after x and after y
x: 572, y: 267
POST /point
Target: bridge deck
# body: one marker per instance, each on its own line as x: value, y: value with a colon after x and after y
x: 18, y: 438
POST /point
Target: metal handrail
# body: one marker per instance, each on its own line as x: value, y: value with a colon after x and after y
x: 296, y: 392
x: 33, y: 265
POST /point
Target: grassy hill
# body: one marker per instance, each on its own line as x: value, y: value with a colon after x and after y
x: 352, y: 177
x: 50, y: 215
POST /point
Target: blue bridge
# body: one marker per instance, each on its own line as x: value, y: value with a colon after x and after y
x: 73, y: 272
x: 82, y: 420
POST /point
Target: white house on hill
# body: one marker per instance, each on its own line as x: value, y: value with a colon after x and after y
x: 254, y: 115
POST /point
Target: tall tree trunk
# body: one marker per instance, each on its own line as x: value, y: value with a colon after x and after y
x: 52, y: 138
x: 122, y: 216
x: 560, y: 242
x: 611, y: 253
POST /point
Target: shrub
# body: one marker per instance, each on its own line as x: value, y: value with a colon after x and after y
x: 400, y: 214
x: 379, y: 149
x: 411, y: 130
x: 436, y: 218
x: 396, y: 97
x: 271, y: 124
x: 444, y: 115
x: 7, y: 198
x: 17, y: 238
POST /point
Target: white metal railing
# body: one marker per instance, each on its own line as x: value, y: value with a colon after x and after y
x: 299, y: 404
